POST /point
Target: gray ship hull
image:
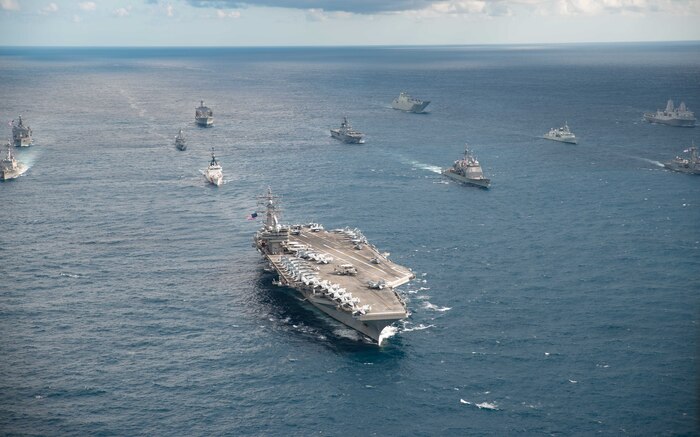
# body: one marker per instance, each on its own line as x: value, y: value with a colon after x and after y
x: 204, y: 121
x: 561, y: 140
x: 481, y: 183
x: 350, y: 139
x: 6, y: 175
x: 677, y: 122
x: 688, y: 169
x: 23, y: 142
x: 415, y: 108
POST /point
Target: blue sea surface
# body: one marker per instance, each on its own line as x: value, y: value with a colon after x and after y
x: 563, y: 301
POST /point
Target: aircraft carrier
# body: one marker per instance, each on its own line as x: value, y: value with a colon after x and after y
x: 337, y: 271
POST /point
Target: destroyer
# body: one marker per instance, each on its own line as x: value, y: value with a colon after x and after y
x: 681, y: 116
x: 404, y: 102
x: 21, y: 134
x: 689, y: 165
x: 467, y: 170
x: 334, y: 271
x: 346, y: 134
x: 562, y: 134
x: 203, y: 115
x: 10, y: 168
x: 213, y: 173
x: 180, y: 141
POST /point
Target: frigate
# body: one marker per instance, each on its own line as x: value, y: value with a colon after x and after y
x: 690, y: 165
x: 681, y: 116
x: 203, y: 115
x: 21, y: 134
x: 180, y: 141
x: 346, y: 133
x: 467, y: 170
x: 10, y: 168
x: 562, y: 134
x: 213, y: 173
x: 404, y: 102
x: 338, y: 271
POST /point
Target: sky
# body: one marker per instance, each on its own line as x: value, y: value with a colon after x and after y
x: 350, y: 22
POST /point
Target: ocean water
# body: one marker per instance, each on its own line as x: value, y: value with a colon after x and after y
x: 562, y: 301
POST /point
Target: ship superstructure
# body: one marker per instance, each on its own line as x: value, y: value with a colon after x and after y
x: 404, y: 102
x: 467, y: 170
x: 21, y: 133
x: 681, y: 116
x: 338, y: 271
x: 203, y: 116
x: 347, y: 134
x: 562, y: 134
x: 10, y: 168
x: 690, y: 165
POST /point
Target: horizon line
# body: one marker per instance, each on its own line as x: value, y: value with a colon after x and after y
x: 350, y: 45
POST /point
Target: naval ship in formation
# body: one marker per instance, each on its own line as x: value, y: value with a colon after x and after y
x: 689, y: 165
x: 404, y: 102
x: 562, y: 134
x: 10, y: 168
x: 21, y: 134
x: 467, y: 170
x: 180, y: 141
x: 339, y: 271
x: 346, y: 133
x: 681, y: 116
x: 213, y: 173
x: 203, y: 116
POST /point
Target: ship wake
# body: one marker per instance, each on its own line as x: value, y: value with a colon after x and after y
x: 428, y: 167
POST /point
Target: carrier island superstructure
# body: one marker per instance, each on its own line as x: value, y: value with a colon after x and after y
x: 337, y: 271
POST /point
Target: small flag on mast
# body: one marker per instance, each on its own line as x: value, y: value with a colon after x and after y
x: 253, y: 216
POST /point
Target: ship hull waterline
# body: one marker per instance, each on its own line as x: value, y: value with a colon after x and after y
x: 481, y: 183
x: 670, y: 122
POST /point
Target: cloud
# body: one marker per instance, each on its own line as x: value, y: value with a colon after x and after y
x: 122, y: 12
x: 231, y: 14
x: 77, y: 19
x: 317, y: 10
x: 87, y: 6
x: 49, y: 9
x: 9, y: 5
x: 169, y: 11
x: 353, y: 6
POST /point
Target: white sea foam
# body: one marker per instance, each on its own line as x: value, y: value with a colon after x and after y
x: 387, y: 332
x: 481, y: 406
x: 417, y: 328
x: 70, y: 275
x: 422, y: 166
x: 430, y: 306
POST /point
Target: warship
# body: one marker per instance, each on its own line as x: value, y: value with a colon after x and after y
x: 562, y: 134
x: 10, y: 168
x: 180, y: 141
x: 467, y: 170
x: 681, y: 116
x: 338, y: 271
x: 21, y: 134
x: 404, y: 102
x: 213, y: 173
x: 689, y: 165
x: 346, y: 134
x: 203, y: 115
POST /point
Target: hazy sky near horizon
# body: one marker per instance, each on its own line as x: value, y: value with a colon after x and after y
x: 352, y: 22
